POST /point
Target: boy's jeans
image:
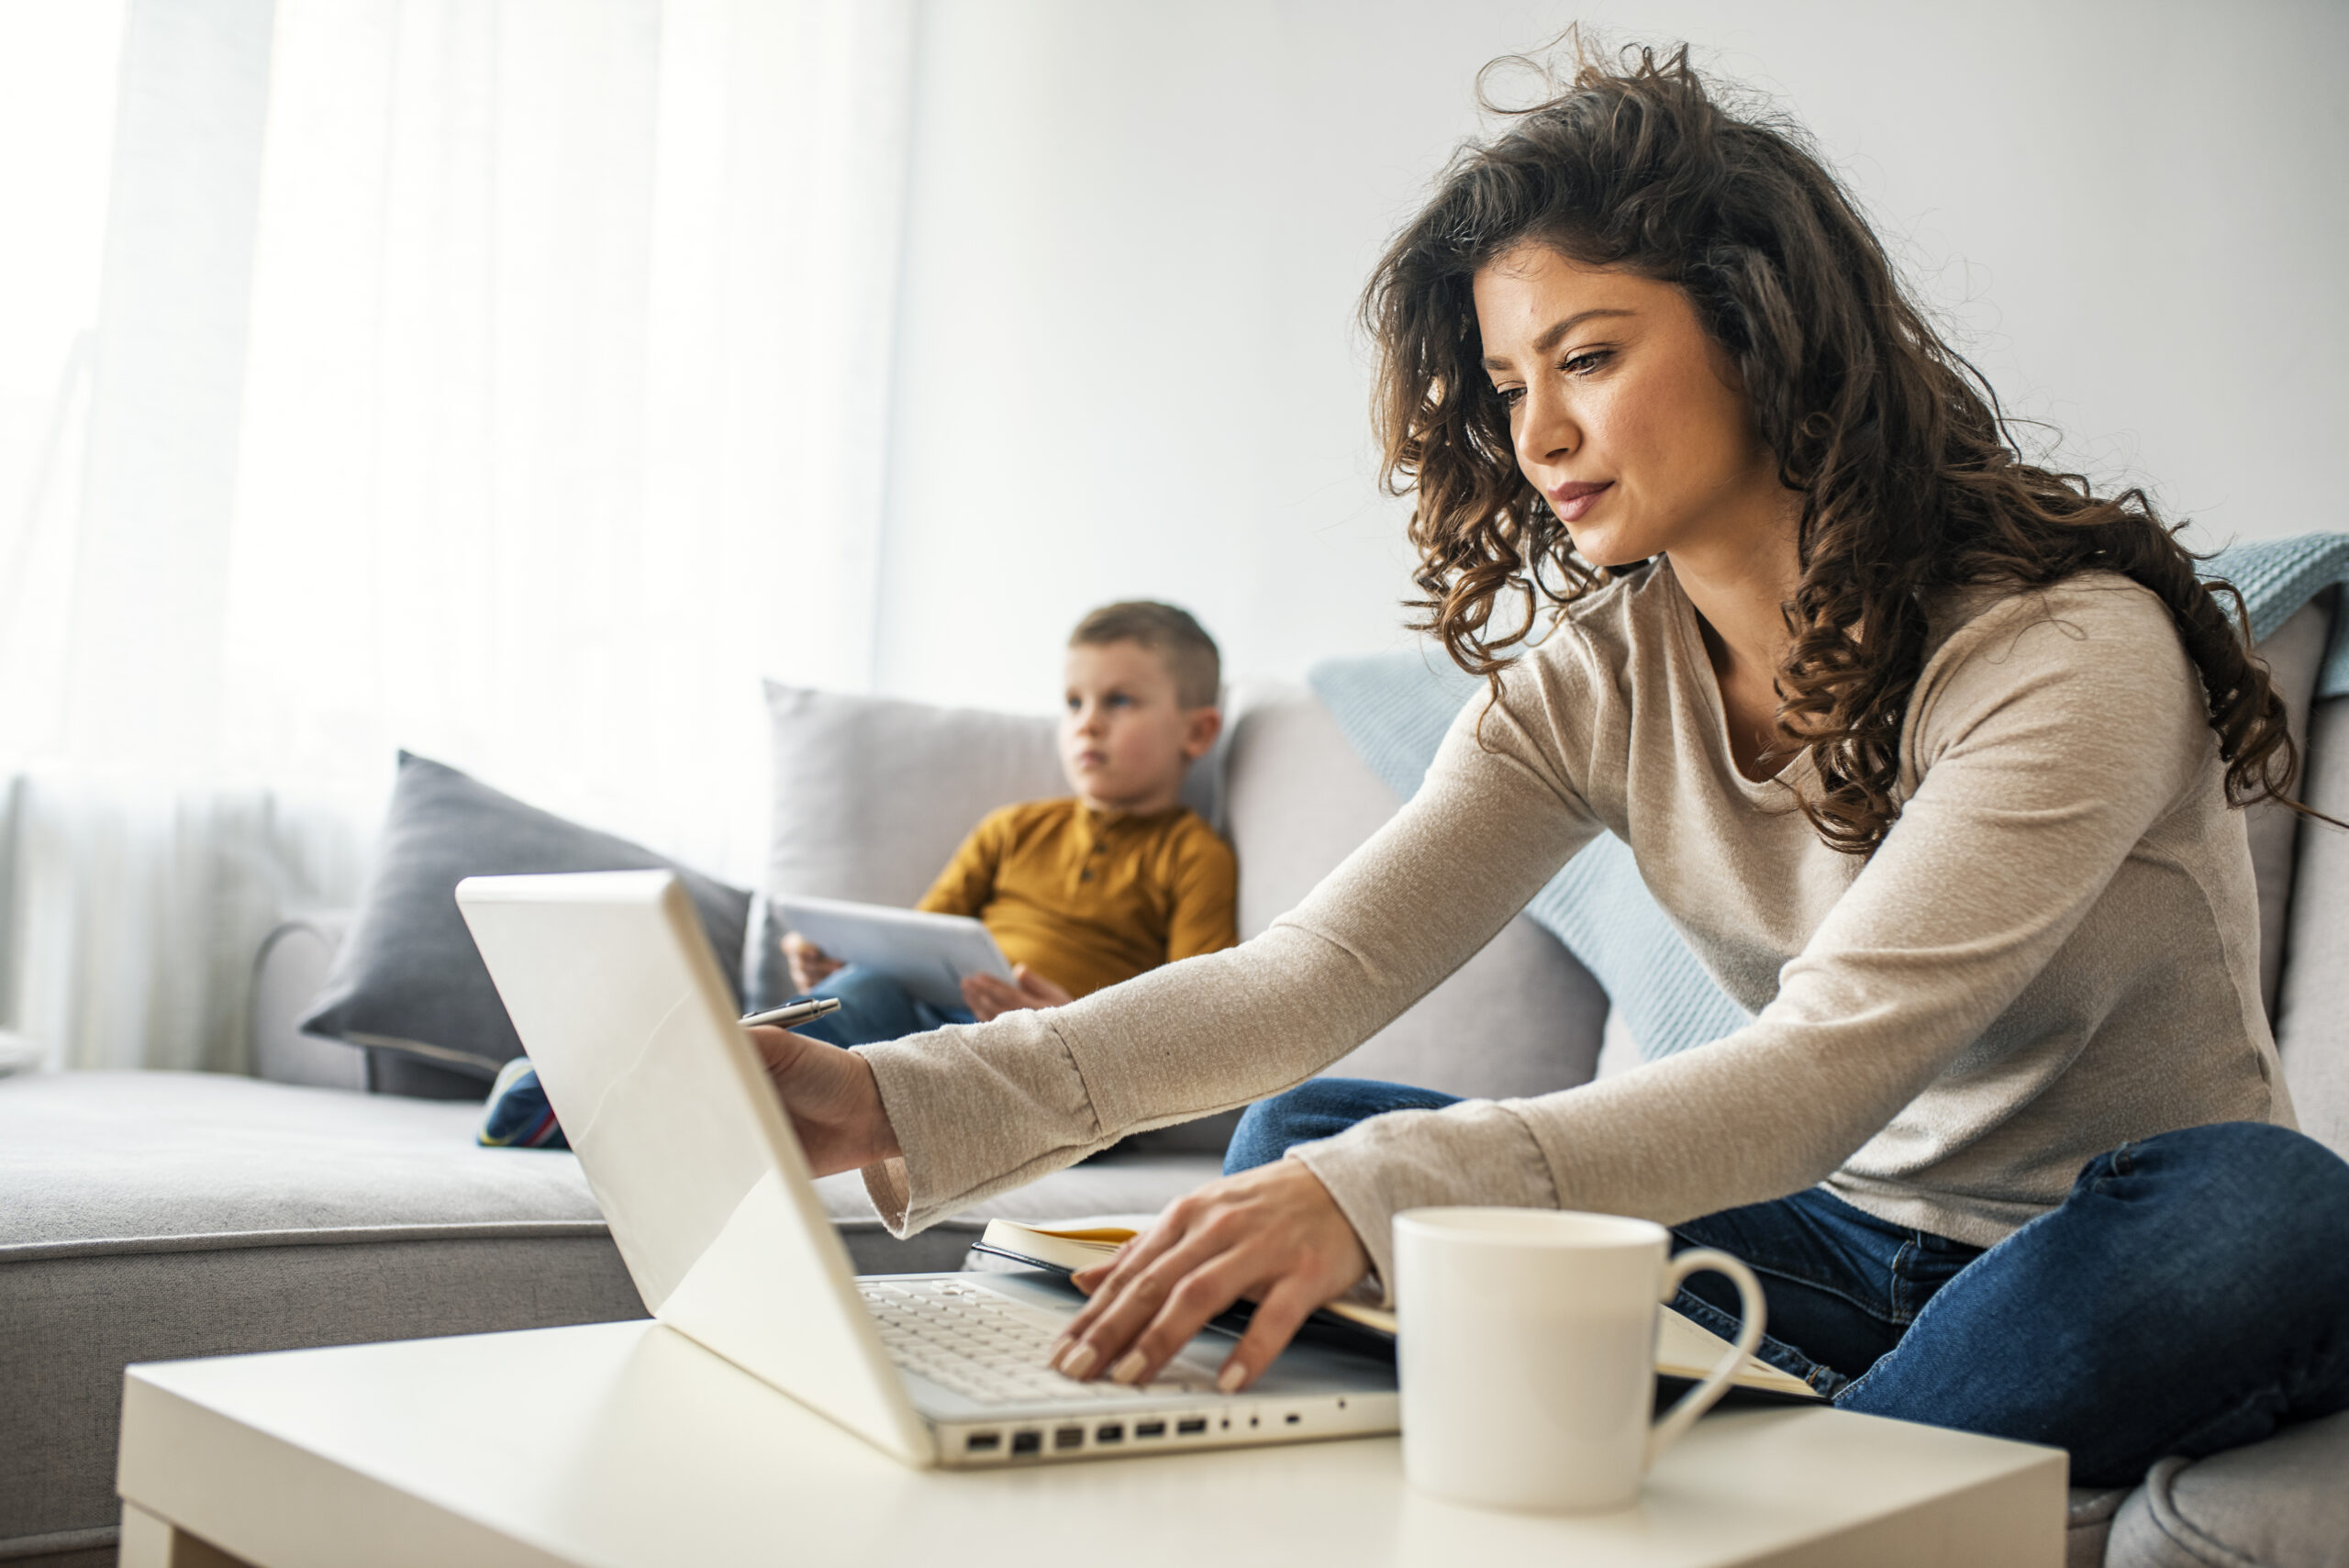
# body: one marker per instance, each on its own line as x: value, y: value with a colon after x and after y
x: 2190, y: 1294
x: 874, y: 1008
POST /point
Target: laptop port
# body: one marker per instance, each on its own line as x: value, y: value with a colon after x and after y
x: 1068, y: 1436
x: 1190, y: 1426
x: 983, y: 1442
x: 1115, y: 1432
x: 1026, y: 1442
x: 1150, y: 1428
x: 1294, y: 1418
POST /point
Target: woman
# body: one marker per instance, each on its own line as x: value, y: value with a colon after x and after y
x: 1934, y: 757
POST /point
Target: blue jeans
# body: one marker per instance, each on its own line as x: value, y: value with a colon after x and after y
x: 2190, y: 1294
x: 874, y: 1006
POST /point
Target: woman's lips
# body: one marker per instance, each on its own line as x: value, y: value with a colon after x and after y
x: 1571, y: 502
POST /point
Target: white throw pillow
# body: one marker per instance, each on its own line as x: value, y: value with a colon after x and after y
x: 871, y: 796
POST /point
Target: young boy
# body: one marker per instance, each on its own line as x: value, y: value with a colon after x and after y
x: 1080, y: 893
x: 1093, y: 888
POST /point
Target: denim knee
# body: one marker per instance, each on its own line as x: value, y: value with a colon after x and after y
x: 2255, y: 1162
x: 1314, y: 1109
x: 2279, y: 1196
x: 1266, y: 1131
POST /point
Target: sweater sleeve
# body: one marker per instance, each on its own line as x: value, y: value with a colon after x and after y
x: 1206, y: 912
x: 2048, y: 751
x: 978, y: 1109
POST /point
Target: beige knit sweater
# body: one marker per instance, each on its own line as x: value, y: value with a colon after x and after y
x: 2054, y: 951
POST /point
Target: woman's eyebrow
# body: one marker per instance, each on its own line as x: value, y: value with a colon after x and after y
x: 1551, y: 335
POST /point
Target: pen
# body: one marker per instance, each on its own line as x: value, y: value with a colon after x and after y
x: 797, y: 1013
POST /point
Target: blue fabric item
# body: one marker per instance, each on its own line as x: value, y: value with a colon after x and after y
x: 1316, y: 1109
x: 1395, y: 709
x: 2208, y: 1268
x: 2188, y: 1297
x: 2275, y: 577
x: 874, y: 1008
x: 517, y: 1114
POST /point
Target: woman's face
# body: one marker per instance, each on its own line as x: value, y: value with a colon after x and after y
x: 1623, y: 412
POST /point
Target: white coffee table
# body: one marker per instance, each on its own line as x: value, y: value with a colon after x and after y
x: 620, y: 1444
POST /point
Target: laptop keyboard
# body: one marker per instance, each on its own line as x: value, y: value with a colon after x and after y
x: 988, y: 1347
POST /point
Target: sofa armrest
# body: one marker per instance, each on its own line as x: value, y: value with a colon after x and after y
x: 287, y: 975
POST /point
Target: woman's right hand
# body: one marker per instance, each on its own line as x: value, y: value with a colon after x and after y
x: 810, y: 966
x: 832, y: 1100
x: 1273, y: 1234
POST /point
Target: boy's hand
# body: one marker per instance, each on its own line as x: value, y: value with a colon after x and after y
x: 810, y: 966
x: 833, y: 1102
x: 989, y: 998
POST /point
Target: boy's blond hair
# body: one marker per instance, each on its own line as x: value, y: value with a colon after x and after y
x: 1189, y: 653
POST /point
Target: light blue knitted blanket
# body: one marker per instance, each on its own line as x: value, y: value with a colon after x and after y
x: 1395, y: 709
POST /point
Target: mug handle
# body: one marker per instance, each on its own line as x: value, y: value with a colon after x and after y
x: 1674, y: 1422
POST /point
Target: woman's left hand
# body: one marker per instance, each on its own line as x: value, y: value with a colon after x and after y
x: 1273, y: 1234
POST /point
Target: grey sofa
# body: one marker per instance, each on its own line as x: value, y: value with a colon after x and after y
x: 145, y: 1217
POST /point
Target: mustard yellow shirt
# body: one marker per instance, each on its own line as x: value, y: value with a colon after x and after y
x: 1087, y: 898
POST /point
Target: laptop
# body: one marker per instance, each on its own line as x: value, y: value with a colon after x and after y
x: 619, y: 1002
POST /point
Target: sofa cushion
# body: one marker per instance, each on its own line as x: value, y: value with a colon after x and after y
x: 2087, y: 1523
x: 2294, y: 654
x: 408, y: 980
x: 288, y: 973
x: 160, y: 1215
x: 2312, y: 1004
x: 2279, y: 1503
x: 154, y: 1215
x: 870, y: 796
x: 105, y: 1164
x: 1520, y: 1017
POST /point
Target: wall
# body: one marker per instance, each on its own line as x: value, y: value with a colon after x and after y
x: 1125, y: 361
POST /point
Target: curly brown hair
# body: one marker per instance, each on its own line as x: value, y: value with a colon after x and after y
x: 1908, y: 477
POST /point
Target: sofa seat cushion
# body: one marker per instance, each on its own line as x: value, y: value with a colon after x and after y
x: 130, y: 1161
x: 101, y: 1163
x: 2087, y: 1524
x: 2279, y: 1503
x: 154, y: 1215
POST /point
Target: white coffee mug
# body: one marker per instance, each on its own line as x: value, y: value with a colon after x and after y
x: 1528, y: 1352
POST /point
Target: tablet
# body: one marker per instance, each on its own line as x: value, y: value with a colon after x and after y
x: 926, y: 954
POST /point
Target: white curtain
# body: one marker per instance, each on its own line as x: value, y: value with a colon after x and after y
x: 505, y: 380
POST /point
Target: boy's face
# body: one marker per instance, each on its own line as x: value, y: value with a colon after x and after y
x: 1126, y: 737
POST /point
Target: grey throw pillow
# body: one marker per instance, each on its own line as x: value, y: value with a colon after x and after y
x: 409, y: 980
